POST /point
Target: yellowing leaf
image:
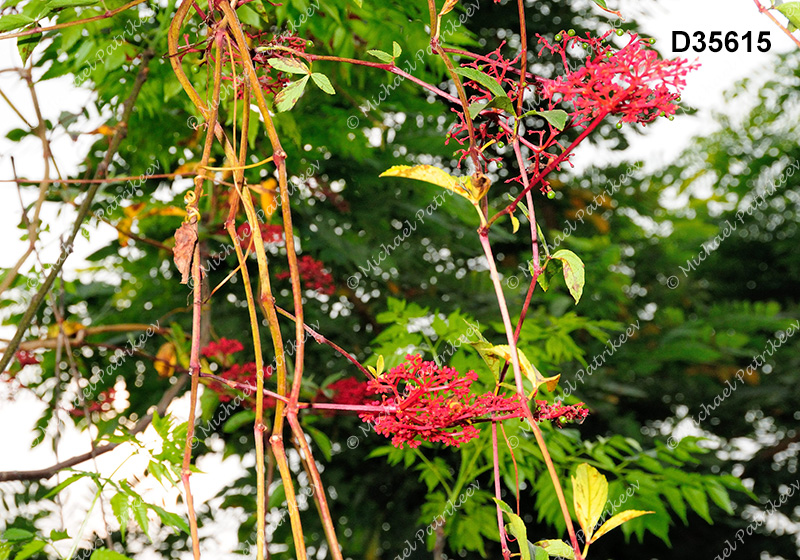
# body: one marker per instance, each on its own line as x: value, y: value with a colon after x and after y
x: 166, y: 358
x: 526, y: 367
x: 70, y: 328
x: 267, y: 191
x: 589, y: 495
x: 463, y: 186
x: 187, y: 168
x: 103, y: 129
x: 618, y: 520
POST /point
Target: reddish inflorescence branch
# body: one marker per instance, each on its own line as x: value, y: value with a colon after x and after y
x: 427, y: 402
x: 560, y: 414
x: 599, y: 79
x: 632, y: 82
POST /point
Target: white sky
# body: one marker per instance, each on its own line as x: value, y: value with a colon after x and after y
x: 719, y: 71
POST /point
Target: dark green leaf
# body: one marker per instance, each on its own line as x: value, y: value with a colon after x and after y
x: 484, y: 79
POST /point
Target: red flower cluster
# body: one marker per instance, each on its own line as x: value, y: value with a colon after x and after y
x: 272, y: 79
x: 225, y: 347
x: 269, y: 233
x: 346, y: 391
x: 245, y: 374
x: 26, y: 359
x: 631, y: 82
x: 559, y: 413
x: 426, y: 402
x: 313, y: 274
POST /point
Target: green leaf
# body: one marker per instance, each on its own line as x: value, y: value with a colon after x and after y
x: 719, y: 495
x: 104, y: 554
x: 573, y: 272
x: 557, y: 117
x: 140, y: 515
x: 119, y: 506
x: 288, y: 96
x: 238, y: 420
x: 676, y: 502
x: 500, y: 102
x: 538, y: 552
x: 30, y: 549
x: 323, y: 83
x: 170, y: 519
x: 589, y: 495
x: 484, y: 79
x: 13, y: 534
x: 322, y: 441
x: 26, y: 44
x: 58, y: 535
x: 792, y: 12
x: 382, y: 56
x: 56, y: 4
x: 396, y: 50
x: 64, y: 484
x: 697, y: 499
x: 556, y: 548
x: 517, y: 528
x: 14, y: 21
x: 288, y: 65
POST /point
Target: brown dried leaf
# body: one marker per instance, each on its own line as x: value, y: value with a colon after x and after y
x: 185, y: 238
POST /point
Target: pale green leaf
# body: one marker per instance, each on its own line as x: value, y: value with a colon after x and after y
x: 589, y: 495
x: 14, y: 21
x: 323, y: 83
x: 288, y: 96
x: 556, y: 117
x: 288, y: 65
x: 382, y: 56
x: 792, y: 12
x: 557, y: 549
x: 574, y: 274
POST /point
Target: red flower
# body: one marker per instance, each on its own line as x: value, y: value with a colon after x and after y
x: 631, y: 82
x: 345, y: 391
x: 313, y: 274
x: 560, y: 413
x: 269, y: 233
x: 426, y: 402
x: 26, y: 359
x: 225, y: 347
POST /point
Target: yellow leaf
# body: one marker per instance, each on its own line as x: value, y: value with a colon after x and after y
x: 70, y: 328
x: 267, y: 192
x: 166, y: 360
x: 618, y: 520
x: 103, y: 129
x: 589, y: 494
x: 462, y: 186
x: 187, y: 168
x: 528, y: 369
